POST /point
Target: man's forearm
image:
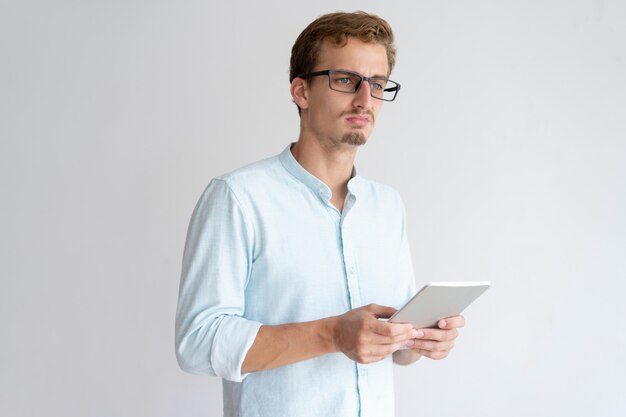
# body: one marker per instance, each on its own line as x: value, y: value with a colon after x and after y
x: 285, y: 344
x: 358, y: 334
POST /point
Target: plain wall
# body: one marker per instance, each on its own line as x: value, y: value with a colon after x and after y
x: 507, y: 142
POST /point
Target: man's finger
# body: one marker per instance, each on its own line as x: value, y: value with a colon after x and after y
x: 433, y: 355
x: 384, y: 328
x: 433, y: 346
x: 376, y: 353
x: 439, y: 335
x: 380, y: 340
x: 386, y: 350
x: 381, y: 312
x: 452, y: 322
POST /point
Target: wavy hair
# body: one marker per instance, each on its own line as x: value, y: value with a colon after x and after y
x: 338, y: 28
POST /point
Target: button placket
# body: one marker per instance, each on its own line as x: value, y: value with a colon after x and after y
x: 350, y: 268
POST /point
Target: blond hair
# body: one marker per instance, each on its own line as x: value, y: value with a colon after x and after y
x: 338, y: 28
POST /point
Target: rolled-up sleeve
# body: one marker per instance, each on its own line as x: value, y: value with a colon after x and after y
x: 212, y: 336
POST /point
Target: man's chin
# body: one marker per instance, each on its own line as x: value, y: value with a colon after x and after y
x: 354, y: 139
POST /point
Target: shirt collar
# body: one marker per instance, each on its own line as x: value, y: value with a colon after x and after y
x: 311, y: 181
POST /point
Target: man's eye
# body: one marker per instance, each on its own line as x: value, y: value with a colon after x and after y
x: 344, y: 80
x: 377, y: 86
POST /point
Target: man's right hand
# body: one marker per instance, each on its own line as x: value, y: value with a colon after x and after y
x: 365, y: 339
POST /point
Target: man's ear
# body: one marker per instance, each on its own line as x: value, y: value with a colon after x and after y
x: 300, y: 92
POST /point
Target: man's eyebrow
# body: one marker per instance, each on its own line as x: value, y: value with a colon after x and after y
x: 356, y: 72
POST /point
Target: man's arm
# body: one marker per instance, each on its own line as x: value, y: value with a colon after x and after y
x: 358, y: 334
x: 211, y: 334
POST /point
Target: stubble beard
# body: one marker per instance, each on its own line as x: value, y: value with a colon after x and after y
x: 354, y: 139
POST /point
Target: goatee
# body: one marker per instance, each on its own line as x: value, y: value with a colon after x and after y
x: 354, y: 138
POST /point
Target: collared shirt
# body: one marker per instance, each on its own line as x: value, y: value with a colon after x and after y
x: 266, y: 246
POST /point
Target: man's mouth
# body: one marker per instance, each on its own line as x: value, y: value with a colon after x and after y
x: 358, y: 120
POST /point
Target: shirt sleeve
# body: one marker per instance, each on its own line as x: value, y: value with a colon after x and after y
x: 212, y: 336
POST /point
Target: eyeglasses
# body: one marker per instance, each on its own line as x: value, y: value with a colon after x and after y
x: 344, y: 81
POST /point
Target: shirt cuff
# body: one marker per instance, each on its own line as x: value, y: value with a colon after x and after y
x: 234, y: 337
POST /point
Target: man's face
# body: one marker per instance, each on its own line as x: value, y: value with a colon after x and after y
x: 338, y: 118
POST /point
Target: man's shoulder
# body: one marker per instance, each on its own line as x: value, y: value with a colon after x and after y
x: 254, y: 175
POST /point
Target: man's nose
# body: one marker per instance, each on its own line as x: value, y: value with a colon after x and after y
x: 363, y: 97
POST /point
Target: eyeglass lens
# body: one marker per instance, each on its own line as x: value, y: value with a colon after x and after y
x: 348, y: 82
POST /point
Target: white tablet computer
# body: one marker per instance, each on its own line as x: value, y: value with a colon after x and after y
x: 438, y: 300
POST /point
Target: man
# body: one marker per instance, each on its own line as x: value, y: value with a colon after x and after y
x: 290, y: 262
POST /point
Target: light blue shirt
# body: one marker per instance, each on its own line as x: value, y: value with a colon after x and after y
x: 266, y: 246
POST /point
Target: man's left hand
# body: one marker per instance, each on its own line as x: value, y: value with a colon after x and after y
x: 437, y: 343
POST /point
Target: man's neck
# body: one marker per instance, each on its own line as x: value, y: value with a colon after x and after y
x: 332, y: 164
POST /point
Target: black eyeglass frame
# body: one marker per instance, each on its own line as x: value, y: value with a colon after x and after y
x: 394, y: 88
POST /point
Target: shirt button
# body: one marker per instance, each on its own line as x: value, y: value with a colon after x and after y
x: 362, y: 372
x: 352, y: 270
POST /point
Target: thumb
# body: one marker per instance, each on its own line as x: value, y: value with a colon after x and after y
x: 381, y: 312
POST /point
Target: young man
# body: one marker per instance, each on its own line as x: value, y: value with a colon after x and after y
x: 290, y: 262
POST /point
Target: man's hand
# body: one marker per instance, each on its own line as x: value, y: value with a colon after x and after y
x: 437, y: 343
x: 365, y: 339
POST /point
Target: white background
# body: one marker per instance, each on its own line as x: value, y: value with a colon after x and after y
x: 507, y: 142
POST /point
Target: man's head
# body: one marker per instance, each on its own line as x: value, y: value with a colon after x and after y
x: 336, y: 107
x: 336, y: 28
